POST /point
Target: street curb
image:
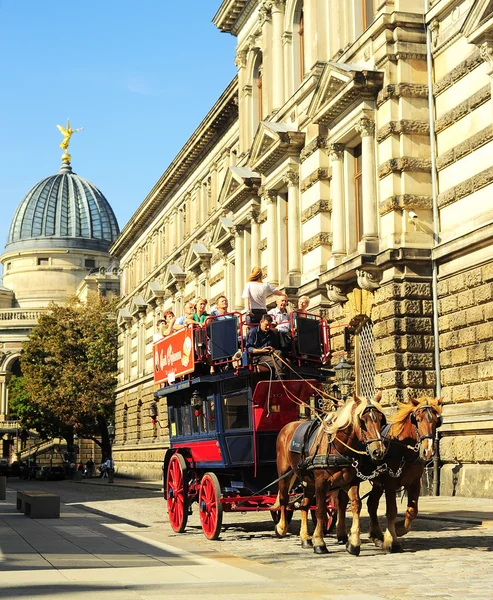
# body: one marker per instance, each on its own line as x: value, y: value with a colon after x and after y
x: 123, y: 485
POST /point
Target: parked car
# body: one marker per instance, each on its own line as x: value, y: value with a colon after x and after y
x: 50, y: 473
x: 17, y: 469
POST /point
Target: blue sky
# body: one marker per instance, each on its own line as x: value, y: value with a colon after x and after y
x: 138, y: 76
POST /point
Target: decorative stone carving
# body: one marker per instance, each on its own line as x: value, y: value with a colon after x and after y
x: 287, y: 38
x: 253, y: 215
x: 461, y: 70
x: 319, y: 142
x: 315, y: 209
x: 461, y: 110
x: 404, y: 163
x: 291, y: 178
x: 237, y: 230
x: 241, y: 59
x: 320, y: 174
x: 335, y: 294
x: 434, y: 28
x: 402, y: 90
x: 367, y: 280
x: 335, y: 151
x: 270, y: 196
x: 263, y: 245
x: 317, y: 240
x: 365, y: 127
x: 265, y: 12
x: 486, y: 53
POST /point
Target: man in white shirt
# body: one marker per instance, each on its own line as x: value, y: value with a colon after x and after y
x: 189, y: 309
x: 281, y: 319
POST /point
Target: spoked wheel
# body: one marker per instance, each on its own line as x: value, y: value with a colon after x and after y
x: 276, y: 515
x: 211, y: 509
x: 177, y: 493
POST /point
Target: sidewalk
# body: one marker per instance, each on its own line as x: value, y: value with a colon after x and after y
x: 124, y: 483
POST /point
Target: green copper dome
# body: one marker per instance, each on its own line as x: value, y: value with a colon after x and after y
x: 63, y: 211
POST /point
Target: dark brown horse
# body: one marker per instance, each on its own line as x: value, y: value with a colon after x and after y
x: 411, y: 445
x: 340, y: 443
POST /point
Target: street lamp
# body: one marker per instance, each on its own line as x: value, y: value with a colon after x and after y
x: 344, y: 376
x: 76, y: 449
x: 111, y: 436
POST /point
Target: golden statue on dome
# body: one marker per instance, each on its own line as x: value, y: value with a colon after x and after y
x: 67, y: 133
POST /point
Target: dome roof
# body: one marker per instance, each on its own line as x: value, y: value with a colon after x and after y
x: 63, y: 211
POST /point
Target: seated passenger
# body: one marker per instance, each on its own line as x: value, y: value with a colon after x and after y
x: 222, y: 305
x: 263, y: 344
x: 160, y: 327
x: 199, y: 316
x: 303, y: 304
x: 188, y: 309
x: 168, y: 322
x: 256, y: 293
x: 283, y: 325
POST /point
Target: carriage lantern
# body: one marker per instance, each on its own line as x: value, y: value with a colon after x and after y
x: 344, y: 376
x: 153, y: 412
x: 197, y: 403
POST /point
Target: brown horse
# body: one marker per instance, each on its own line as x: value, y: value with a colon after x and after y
x: 411, y: 445
x: 357, y: 424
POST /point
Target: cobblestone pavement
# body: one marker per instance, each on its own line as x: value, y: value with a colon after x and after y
x: 441, y: 559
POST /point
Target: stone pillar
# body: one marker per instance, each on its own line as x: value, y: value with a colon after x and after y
x: 180, y: 222
x: 287, y: 43
x: 366, y: 127
x: 294, y: 243
x: 277, y: 54
x: 240, y: 62
x: 239, y: 269
x: 270, y: 197
x: 254, y: 239
x: 213, y: 184
x: 204, y: 210
x: 172, y: 230
x: 3, y: 398
x: 310, y: 36
x: 337, y: 217
x: 265, y: 21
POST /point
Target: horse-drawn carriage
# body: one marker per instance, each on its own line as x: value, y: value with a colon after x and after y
x: 224, y: 415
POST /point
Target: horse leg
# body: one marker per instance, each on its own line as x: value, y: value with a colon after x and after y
x: 341, y: 527
x: 306, y: 540
x: 321, y: 485
x: 390, y: 541
x: 353, y: 545
x: 283, y: 498
x: 375, y: 534
x: 413, y: 490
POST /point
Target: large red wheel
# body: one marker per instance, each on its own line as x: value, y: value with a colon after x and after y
x: 177, y: 493
x: 211, y: 509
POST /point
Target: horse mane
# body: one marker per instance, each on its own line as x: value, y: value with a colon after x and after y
x: 400, y: 422
x: 349, y: 414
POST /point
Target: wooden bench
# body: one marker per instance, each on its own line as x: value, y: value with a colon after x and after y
x: 38, y: 505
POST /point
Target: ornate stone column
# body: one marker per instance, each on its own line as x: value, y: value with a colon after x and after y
x: 213, y: 190
x: 172, y: 227
x: 265, y: 21
x: 294, y: 244
x: 204, y: 198
x: 270, y: 197
x: 337, y: 217
x: 237, y: 231
x: 4, y: 401
x: 180, y: 222
x: 243, y: 104
x: 287, y: 43
x: 277, y: 54
x: 254, y: 238
x: 366, y: 128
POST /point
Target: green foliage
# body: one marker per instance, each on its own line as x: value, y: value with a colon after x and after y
x: 69, y: 368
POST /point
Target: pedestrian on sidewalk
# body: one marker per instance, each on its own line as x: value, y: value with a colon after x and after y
x: 89, y: 468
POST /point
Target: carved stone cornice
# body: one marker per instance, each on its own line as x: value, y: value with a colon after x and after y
x: 270, y: 196
x: 335, y: 151
x: 237, y: 230
x: 404, y: 202
x: 322, y: 238
x: 461, y: 110
x: 318, y: 207
x: 403, y: 127
x: 365, y: 127
x: 465, y: 147
x: 404, y: 163
x: 291, y: 178
x: 321, y: 174
x: 217, y: 256
x: 319, y: 142
x: 335, y: 294
x: 461, y: 70
x: 265, y: 12
x: 253, y: 215
x: 216, y: 279
x: 263, y: 245
x: 402, y: 90
x: 466, y: 187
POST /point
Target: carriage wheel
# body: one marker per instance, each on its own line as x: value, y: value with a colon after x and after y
x: 211, y: 509
x: 177, y: 493
x: 276, y: 515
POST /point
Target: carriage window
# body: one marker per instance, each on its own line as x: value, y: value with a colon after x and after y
x: 211, y: 414
x: 198, y: 417
x: 236, y: 412
x: 175, y: 423
x: 185, y: 413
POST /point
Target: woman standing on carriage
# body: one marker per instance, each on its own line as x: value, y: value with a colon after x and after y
x: 256, y: 293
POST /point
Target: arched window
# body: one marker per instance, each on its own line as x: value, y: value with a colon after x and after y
x: 301, y: 43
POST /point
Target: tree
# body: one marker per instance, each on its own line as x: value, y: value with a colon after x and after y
x: 69, y: 368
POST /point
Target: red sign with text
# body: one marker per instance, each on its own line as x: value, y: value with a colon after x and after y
x: 173, y: 356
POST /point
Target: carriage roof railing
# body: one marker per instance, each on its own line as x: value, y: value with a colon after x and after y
x: 219, y: 344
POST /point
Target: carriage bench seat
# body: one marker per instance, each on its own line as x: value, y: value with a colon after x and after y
x: 38, y: 505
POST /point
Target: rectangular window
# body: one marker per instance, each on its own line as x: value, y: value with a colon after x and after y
x: 43, y: 262
x: 8, y: 266
x: 358, y: 192
x: 236, y: 413
x: 90, y: 263
x: 368, y: 12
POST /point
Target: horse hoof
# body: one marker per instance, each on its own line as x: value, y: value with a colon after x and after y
x: 305, y: 544
x: 354, y: 550
x: 342, y: 539
x: 395, y: 548
x: 400, y: 530
x: 278, y: 535
x: 320, y: 549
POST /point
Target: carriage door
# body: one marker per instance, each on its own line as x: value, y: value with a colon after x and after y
x: 237, y: 426
x: 365, y: 360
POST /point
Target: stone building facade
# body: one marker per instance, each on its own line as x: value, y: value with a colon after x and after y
x: 340, y: 160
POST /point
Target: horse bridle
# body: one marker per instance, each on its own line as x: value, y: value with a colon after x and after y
x: 372, y: 409
x: 429, y: 409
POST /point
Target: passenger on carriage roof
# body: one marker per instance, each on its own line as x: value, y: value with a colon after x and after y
x: 256, y: 293
x: 188, y: 309
x: 280, y: 314
x: 199, y: 316
x: 263, y: 343
x: 222, y: 305
x: 303, y: 304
